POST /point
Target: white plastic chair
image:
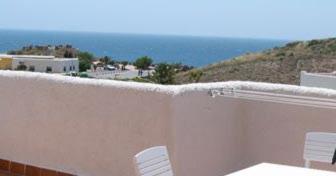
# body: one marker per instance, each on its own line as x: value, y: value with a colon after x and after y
x: 153, y: 162
x: 320, y: 147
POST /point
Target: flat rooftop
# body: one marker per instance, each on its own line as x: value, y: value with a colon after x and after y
x: 32, y: 57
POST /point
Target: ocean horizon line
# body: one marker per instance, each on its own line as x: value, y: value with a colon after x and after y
x: 149, y: 34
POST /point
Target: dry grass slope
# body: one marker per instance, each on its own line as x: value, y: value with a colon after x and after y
x: 278, y: 65
x: 59, y: 51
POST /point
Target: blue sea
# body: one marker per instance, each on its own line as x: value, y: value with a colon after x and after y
x: 195, y: 51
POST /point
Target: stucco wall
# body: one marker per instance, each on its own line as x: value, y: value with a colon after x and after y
x: 82, y: 129
x: 216, y: 136
x: 276, y: 132
x: 93, y: 127
x: 318, y: 80
x: 209, y: 134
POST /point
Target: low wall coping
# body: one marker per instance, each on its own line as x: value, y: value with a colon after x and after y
x: 172, y: 89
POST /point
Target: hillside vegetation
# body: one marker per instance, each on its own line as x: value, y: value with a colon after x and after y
x: 278, y: 65
x: 60, y: 51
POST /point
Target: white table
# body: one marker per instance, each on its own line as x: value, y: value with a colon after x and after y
x: 266, y: 169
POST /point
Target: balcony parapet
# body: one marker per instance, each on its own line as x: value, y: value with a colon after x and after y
x: 175, y: 90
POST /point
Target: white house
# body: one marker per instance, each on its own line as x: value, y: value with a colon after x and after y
x: 321, y: 80
x: 48, y: 64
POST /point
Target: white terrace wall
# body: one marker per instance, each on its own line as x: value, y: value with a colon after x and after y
x: 216, y: 136
x: 276, y: 132
x: 91, y: 127
x: 89, y: 130
x: 209, y: 134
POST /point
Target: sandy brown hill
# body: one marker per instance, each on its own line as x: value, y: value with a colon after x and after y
x: 278, y: 65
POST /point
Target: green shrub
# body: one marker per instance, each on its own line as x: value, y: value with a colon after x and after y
x: 314, y: 42
x: 85, y: 60
x: 83, y: 75
x: 195, y: 75
x: 292, y: 44
x: 164, y: 74
x: 143, y: 62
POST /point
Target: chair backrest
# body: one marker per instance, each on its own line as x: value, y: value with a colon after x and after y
x: 153, y: 162
x: 319, y: 147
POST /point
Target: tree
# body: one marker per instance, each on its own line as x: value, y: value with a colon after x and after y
x: 124, y: 63
x: 177, y: 66
x: 105, y: 60
x: 68, y: 54
x: 85, y: 60
x: 111, y: 62
x: 143, y: 62
x: 164, y: 74
x: 11, y: 52
x: 195, y: 75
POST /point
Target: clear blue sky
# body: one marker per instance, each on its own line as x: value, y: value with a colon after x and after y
x: 280, y: 19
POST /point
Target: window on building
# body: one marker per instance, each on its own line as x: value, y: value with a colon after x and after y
x: 31, y: 68
x: 49, y: 69
x: 73, y: 68
x: 64, y: 69
x: 21, y: 66
x: 70, y: 68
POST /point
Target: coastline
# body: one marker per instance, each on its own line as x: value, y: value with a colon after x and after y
x: 191, y: 50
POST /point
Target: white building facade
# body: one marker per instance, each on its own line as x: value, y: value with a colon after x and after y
x: 48, y: 64
x: 321, y: 80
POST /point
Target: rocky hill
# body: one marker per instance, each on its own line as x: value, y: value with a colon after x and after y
x: 59, y: 51
x: 278, y: 65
